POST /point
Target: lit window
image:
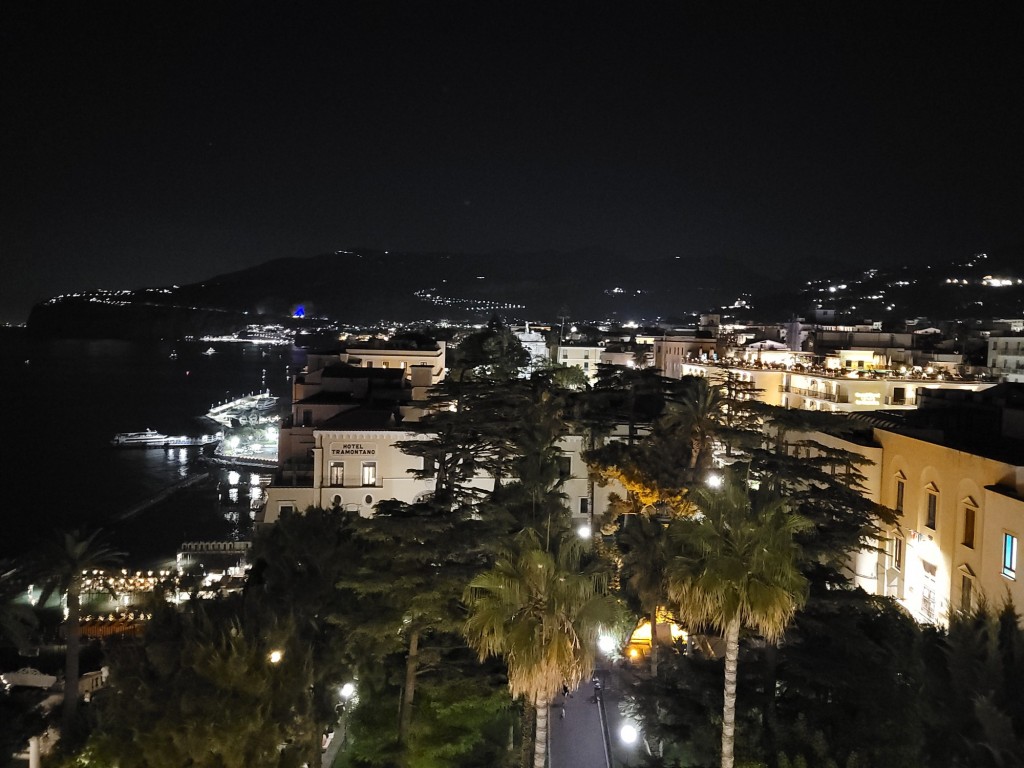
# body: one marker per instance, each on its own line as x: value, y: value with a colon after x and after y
x: 337, y: 474
x: 1009, y: 556
x: 970, y: 514
x: 897, y: 553
x: 369, y: 473
x: 933, y: 503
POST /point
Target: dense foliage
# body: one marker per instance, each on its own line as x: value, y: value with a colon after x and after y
x: 456, y: 617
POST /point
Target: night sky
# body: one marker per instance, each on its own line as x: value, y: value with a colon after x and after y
x: 150, y: 143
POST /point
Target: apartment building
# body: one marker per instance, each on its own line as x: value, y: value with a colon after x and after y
x: 583, y: 356
x: 1006, y: 357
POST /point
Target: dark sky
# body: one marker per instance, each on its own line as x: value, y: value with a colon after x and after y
x: 166, y: 142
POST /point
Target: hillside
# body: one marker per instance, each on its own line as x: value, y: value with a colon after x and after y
x: 369, y: 287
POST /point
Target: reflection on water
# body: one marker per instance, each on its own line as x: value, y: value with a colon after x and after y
x: 58, y: 467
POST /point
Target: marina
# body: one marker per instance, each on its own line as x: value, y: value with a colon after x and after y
x: 250, y: 409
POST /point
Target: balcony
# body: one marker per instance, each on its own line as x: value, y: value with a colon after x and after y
x: 891, y: 400
x: 832, y: 397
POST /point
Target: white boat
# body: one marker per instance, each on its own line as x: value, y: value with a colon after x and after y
x: 150, y: 438
x: 210, y: 351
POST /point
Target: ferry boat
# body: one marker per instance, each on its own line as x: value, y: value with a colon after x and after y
x: 150, y: 438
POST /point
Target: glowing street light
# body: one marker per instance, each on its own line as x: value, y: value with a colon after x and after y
x: 347, y: 691
x: 606, y: 644
x: 629, y: 734
x: 275, y: 656
x: 583, y: 531
x: 714, y: 481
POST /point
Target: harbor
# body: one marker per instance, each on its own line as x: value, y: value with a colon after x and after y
x: 259, y: 408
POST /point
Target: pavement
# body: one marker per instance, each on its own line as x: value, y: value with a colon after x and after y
x: 589, y: 733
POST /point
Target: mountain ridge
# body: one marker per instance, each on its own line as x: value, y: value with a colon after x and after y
x: 372, y: 286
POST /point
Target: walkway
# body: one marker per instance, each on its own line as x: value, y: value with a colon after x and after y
x: 577, y: 739
x: 590, y: 734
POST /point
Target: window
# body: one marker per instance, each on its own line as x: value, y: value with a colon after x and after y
x: 307, y: 417
x: 899, y: 496
x: 337, y: 473
x: 429, y: 466
x: 933, y: 503
x: 928, y: 591
x: 564, y: 467
x: 897, y: 553
x: 369, y: 473
x: 585, y: 506
x: 285, y: 509
x: 970, y: 514
x: 1009, y: 556
x: 966, y: 593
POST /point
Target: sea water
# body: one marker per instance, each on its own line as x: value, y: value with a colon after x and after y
x: 65, y: 401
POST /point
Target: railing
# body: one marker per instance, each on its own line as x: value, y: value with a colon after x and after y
x: 891, y: 400
x: 832, y: 397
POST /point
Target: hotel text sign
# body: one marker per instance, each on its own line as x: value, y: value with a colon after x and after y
x: 353, y: 449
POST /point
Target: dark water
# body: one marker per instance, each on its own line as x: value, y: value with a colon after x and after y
x: 65, y: 399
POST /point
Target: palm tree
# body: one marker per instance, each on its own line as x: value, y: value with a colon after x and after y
x: 542, y: 611
x: 698, y: 413
x: 735, y: 567
x: 644, y: 560
x: 65, y: 560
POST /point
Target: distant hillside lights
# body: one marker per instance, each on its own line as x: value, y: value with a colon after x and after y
x: 428, y: 295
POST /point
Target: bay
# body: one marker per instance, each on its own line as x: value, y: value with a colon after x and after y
x: 65, y: 399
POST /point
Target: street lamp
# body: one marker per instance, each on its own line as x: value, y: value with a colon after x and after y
x: 583, y: 531
x: 629, y: 734
x: 606, y: 644
x: 275, y: 656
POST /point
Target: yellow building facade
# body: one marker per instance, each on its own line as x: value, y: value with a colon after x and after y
x: 961, y: 517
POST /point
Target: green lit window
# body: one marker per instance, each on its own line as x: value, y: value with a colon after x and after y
x: 1009, y: 556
